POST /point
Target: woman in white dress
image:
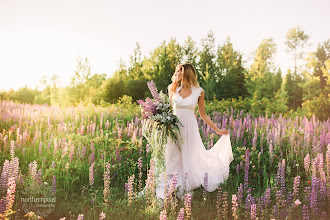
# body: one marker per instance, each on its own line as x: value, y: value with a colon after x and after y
x: 190, y: 161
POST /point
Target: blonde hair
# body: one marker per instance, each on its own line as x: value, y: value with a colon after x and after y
x: 189, y: 77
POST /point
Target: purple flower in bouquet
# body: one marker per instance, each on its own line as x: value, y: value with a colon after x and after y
x: 149, y: 107
x: 153, y: 89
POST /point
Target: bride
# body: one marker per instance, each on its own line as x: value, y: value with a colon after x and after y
x: 190, y: 163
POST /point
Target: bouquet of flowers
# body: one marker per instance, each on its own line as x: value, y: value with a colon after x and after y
x: 159, y: 124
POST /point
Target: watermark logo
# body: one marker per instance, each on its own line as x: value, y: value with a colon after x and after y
x: 38, y: 198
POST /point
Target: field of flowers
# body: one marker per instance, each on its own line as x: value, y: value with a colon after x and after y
x: 90, y: 163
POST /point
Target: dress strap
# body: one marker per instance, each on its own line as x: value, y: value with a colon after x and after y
x: 198, y: 91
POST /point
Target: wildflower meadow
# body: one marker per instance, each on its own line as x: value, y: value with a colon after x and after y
x: 90, y: 162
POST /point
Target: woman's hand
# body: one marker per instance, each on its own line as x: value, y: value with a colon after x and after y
x: 222, y: 131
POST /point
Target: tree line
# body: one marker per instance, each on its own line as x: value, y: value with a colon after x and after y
x: 221, y: 72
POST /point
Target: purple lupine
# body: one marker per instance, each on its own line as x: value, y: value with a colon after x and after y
x: 240, y: 194
x: 327, y: 158
x: 267, y: 199
x: 219, y: 201
x: 153, y: 90
x: 246, y: 170
x: 271, y: 152
x: 54, y: 184
x: 140, y: 165
x: 185, y: 179
x: 314, y: 196
x: 205, y: 185
x: 225, y: 204
x: 305, y: 212
x: 282, y: 177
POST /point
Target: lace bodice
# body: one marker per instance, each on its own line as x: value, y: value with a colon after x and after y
x: 188, y: 102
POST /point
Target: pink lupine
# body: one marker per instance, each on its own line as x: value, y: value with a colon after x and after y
x: 187, y: 204
x: 181, y: 214
x: 10, y: 197
x: 296, y: 184
x: 91, y: 174
x: 102, y: 215
x: 106, y: 176
x: 140, y: 165
x: 307, y: 162
x: 163, y: 215
x: 130, y: 189
x: 225, y: 204
x: 12, y: 150
x: 253, y: 211
x: 234, y: 206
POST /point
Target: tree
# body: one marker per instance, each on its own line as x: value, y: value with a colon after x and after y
x: 206, y: 66
x: 190, y: 52
x: 317, y: 63
x: 261, y: 77
x: 134, y: 71
x: 231, y: 83
x: 296, y: 40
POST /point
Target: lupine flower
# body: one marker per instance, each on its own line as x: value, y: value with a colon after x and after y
x: 153, y: 89
x: 296, y: 184
x: 130, y: 189
x: 80, y: 217
x: 305, y: 212
x: 219, y: 201
x: 140, y: 165
x: 181, y: 214
x: 163, y: 215
x: 225, y: 204
x: 102, y: 215
x: 91, y: 174
x: 205, y: 185
x: 106, y: 176
x: 234, y: 206
x: 253, y: 211
x: 54, y: 184
x: 240, y: 193
x: 307, y: 162
x: 173, y: 184
x: 187, y: 204
x: 246, y: 171
x: 150, y: 182
x: 10, y: 197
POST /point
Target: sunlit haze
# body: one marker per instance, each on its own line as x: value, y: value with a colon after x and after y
x: 40, y: 37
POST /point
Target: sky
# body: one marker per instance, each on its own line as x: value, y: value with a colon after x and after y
x: 42, y: 38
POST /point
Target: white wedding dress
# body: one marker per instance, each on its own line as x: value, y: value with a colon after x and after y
x: 193, y: 160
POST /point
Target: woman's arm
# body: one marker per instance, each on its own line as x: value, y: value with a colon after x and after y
x: 206, y: 118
